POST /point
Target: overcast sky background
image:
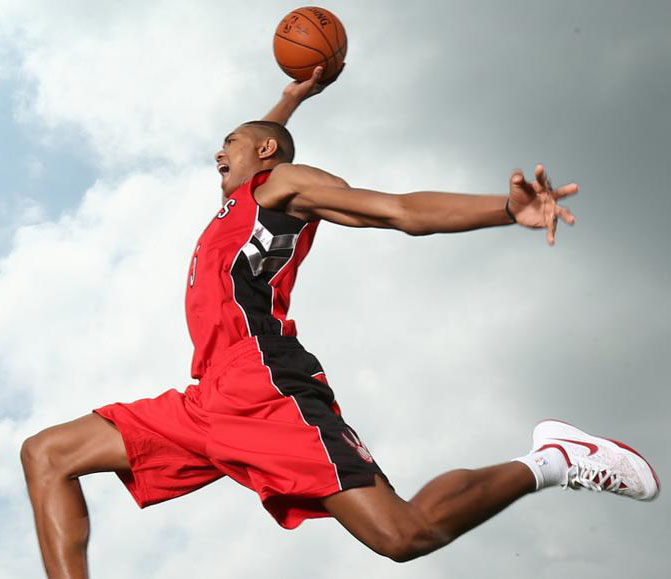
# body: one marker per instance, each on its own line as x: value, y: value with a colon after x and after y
x: 444, y: 351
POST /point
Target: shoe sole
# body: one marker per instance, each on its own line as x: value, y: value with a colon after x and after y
x: 642, y: 466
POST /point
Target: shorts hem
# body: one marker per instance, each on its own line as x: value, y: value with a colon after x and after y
x: 130, y: 480
x: 283, y: 508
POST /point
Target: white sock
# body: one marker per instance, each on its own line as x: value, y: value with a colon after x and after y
x: 549, y: 466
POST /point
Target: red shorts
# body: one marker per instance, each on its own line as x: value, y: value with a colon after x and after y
x: 262, y: 414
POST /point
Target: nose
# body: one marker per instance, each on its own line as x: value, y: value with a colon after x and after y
x: 218, y: 155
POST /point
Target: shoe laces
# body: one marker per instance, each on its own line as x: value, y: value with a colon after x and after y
x: 593, y: 476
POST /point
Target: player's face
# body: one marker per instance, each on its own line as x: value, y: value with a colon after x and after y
x: 237, y: 160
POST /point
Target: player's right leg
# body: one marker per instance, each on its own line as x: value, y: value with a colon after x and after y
x: 52, y: 462
x: 457, y: 501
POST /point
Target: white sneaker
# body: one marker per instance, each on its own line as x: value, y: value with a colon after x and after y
x: 598, y: 464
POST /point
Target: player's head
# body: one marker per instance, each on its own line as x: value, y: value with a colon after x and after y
x: 252, y: 147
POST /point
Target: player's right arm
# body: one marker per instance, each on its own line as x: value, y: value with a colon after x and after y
x: 293, y: 95
x: 310, y: 194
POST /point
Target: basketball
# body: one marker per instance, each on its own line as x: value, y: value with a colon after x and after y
x: 309, y: 37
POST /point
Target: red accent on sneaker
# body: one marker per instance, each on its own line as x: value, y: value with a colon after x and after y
x: 560, y: 448
x: 593, y: 448
x: 630, y: 449
x: 621, y: 445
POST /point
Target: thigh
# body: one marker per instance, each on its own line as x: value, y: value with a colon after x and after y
x: 376, y: 515
x: 85, y: 445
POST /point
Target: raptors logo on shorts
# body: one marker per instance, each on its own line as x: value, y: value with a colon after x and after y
x: 353, y: 440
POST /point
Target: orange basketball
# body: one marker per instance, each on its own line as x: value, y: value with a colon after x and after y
x: 309, y: 37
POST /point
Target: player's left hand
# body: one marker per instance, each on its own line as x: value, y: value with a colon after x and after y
x: 304, y: 90
x: 535, y: 204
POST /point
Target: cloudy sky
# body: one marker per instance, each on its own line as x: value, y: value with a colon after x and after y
x: 444, y: 351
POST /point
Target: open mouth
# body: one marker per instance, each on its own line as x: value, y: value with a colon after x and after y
x: 223, y: 168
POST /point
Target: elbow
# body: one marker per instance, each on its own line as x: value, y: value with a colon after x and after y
x: 341, y: 183
x: 410, y: 225
x: 415, y: 230
x: 406, y: 217
x: 408, y: 221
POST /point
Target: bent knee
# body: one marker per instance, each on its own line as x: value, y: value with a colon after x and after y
x: 38, y: 454
x: 30, y: 451
x: 408, y: 543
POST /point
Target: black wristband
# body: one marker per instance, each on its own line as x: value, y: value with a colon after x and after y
x: 509, y: 212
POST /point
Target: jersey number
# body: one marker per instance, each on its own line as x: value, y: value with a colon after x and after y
x: 192, y: 277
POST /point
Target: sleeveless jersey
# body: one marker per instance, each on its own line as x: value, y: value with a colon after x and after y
x: 241, y: 275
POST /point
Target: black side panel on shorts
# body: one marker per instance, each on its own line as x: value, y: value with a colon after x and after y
x: 292, y: 370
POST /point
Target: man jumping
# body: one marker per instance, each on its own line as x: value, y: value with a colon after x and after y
x: 262, y: 412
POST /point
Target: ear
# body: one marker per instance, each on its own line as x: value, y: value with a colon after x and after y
x: 268, y: 148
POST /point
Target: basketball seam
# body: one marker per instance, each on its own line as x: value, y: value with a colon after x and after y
x: 297, y: 68
x: 340, y: 49
x: 335, y: 25
x: 344, y: 42
x: 303, y: 46
x: 320, y: 32
x: 340, y: 52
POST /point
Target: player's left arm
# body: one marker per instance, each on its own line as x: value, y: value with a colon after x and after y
x: 309, y: 193
x: 294, y: 94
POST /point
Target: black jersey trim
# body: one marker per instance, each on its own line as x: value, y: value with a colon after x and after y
x: 269, y: 249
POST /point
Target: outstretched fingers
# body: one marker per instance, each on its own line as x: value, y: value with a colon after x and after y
x: 517, y: 181
x: 551, y: 224
x: 542, y: 183
x: 545, y: 185
x: 565, y: 215
x: 552, y: 215
x: 565, y: 191
x: 536, y: 205
x: 554, y: 212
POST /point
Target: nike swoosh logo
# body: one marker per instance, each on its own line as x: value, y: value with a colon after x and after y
x: 593, y: 448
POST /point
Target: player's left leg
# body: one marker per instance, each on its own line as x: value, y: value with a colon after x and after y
x: 457, y: 501
x: 52, y: 461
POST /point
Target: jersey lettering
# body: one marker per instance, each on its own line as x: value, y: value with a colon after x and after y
x: 225, y: 209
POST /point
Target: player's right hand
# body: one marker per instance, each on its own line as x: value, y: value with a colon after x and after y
x: 536, y: 205
x: 303, y: 90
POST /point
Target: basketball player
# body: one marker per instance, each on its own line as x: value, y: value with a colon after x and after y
x: 262, y: 412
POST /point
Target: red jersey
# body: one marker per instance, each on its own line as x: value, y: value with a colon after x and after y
x: 262, y: 412
x: 241, y: 275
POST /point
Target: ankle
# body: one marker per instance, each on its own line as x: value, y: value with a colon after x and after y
x: 549, y: 466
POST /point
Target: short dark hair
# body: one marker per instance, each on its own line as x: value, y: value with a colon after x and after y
x: 285, y: 142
